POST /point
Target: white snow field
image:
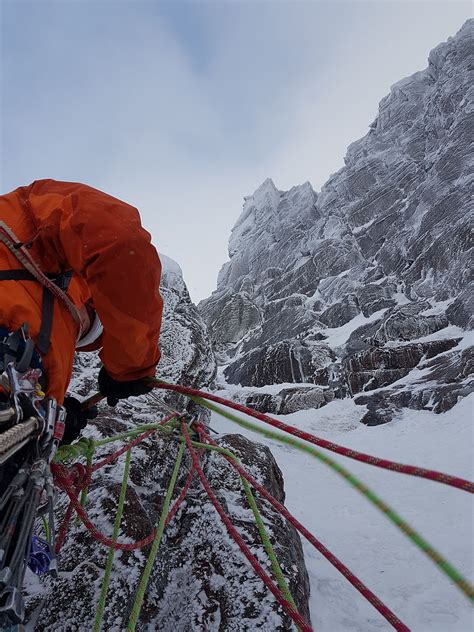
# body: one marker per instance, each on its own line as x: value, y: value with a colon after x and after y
x: 360, y: 535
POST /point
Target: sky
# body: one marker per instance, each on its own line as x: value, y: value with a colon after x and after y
x: 183, y: 108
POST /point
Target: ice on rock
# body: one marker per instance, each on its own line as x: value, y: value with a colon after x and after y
x: 390, y: 228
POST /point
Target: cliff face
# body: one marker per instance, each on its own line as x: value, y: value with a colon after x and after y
x: 382, y: 256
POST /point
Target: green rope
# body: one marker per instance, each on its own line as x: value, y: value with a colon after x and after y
x: 136, y: 431
x: 276, y: 568
x: 73, y: 451
x: 448, y: 570
x: 140, y: 594
x: 110, y: 559
x: 83, y: 447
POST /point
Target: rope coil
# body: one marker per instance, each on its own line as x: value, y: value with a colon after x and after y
x: 16, y: 435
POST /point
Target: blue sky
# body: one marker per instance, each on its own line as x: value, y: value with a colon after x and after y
x: 182, y: 108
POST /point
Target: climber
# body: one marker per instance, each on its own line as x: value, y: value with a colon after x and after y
x: 93, y: 247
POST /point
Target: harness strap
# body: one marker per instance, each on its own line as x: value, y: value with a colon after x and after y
x: 62, y: 280
x: 47, y: 307
x: 18, y: 250
x: 47, y: 311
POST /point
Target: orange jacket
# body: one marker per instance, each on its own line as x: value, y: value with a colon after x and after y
x: 72, y: 226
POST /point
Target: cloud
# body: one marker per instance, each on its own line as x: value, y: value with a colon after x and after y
x: 183, y: 108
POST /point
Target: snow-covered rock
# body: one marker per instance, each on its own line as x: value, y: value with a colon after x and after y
x: 200, y: 581
x: 384, y: 242
x: 187, y: 356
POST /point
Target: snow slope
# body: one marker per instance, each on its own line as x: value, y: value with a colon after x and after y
x: 361, y: 536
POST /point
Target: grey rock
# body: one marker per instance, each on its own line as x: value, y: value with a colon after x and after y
x: 445, y: 380
x: 288, y: 400
x: 379, y: 411
x: 461, y: 310
x: 362, y: 337
x: 372, y: 298
x: 197, y: 578
x: 304, y: 399
x: 379, y: 367
x: 286, y: 361
x: 406, y: 323
x: 261, y: 402
x: 390, y: 232
x: 238, y: 316
x: 340, y: 313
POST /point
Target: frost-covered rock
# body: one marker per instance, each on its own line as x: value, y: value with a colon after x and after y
x: 286, y: 361
x: 378, y: 367
x: 383, y: 252
x: 187, y: 356
x: 461, y: 311
x: 287, y: 400
x: 439, y: 384
x: 199, y: 581
x: 407, y: 322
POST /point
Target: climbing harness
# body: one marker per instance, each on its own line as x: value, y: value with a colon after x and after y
x: 53, y: 285
x: 31, y: 427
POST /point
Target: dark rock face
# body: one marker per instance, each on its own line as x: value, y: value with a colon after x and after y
x: 444, y: 380
x: 288, y: 400
x: 340, y: 313
x: 387, y: 236
x: 286, y: 361
x: 375, y: 368
x: 407, y: 323
x: 373, y: 298
x: 461, y: 311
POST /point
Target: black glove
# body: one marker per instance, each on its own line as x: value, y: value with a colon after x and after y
x: 76, y: 419
x: 115, y: 390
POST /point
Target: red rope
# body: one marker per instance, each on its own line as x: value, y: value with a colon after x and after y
x: 72, y: 481
x: 355, y: 581
x: 286, y: 605
x: 115, y: 455
x: 183, y: 493
x: 412, y: 470
x: 65, y: 482
x: 68, y: 515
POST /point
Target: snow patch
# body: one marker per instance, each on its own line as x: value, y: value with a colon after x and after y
x: 361, y: 536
